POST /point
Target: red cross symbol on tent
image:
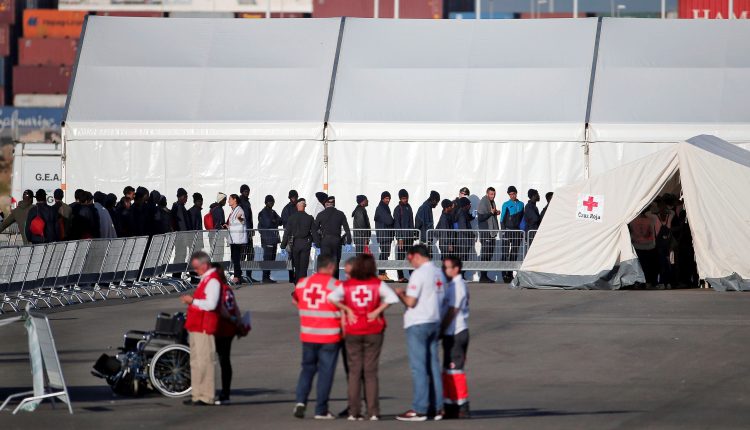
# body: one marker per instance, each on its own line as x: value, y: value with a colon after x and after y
x: 314, y: 296
x: 590, y: 203
x: 362, y: 296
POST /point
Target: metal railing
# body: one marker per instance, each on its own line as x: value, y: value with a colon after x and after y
x: 11, y: 236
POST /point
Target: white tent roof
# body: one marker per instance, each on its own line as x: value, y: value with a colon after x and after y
x: 213, y: 79
x: 463, y: 80
x: 587, y: 245
x: 667, y: 80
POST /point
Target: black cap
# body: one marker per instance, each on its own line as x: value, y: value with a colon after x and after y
x: 464, y: 201
x: 59, y: 194
x: 361, y: 198
x: 181, y: 192
x: 512, y: 189
x: 321, y: 196
x: 385, y: 194
x: 269, y: 199
x: 28, y: 193
x: 402, y: 193
x: 244, y: 187
x: 532, y: 192
x: 446, y: 203
x: 41, y: 194
x: 293, y: 194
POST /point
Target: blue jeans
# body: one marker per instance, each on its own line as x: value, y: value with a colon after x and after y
x: 317, y: 358
x: 427, y: 385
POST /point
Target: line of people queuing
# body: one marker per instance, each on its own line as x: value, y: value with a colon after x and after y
x: 348, y: 318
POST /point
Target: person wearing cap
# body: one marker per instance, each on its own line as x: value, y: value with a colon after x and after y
x: 41, y: 221
x: 248, y: 253
x: 329, y: 223
x: 321, y: 198
x: 384, y: 231
x: 268, y: 224
x: 531, y: 216
x: 289, y: 209
x: 463, y: 192
x: 424, y: 220
x: 511, y: 216
x: 217, y: 210
x: 180, y: 218
x: 64, y: 215
x: 487, y: 213
x: 445, y: 235
x: 300, y: 234
x: 403, y: 219
x: 18, y: 215
x: 465, y: 237
x: 194, y: 213
x: 361, y: 224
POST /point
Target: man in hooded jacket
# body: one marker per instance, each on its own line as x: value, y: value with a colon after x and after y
x: 384, y: 231
x: 48, y: 229
x: 361, y: 225
x: 424, y: 220
x: 403, y: 220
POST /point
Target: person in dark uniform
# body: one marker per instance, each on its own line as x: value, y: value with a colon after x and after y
x: 329, y: 223
x: 403, y: 219
x: 194, y: 213
x: 288, y: 211
x: 361, y: 225
x: 268, y: 223
x: 300, y: 234
x: 383, y: 222
x: 248, y: 254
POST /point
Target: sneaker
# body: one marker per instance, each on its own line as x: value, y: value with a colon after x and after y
x: 344, y: 413
x: 222, y: 402
x: 268, y: 281
x: 411, y: 415
x: 326, y: 416
x: 299, y: 410
x: 374, y: 418
x: 357, y: 418
x: 385, y: 278
x: 439, y: 415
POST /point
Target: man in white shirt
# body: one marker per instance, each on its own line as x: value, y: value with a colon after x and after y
x: 423, y: 298
x: 455, y: 331
x: 201, y: 323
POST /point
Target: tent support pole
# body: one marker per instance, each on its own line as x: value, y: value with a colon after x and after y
x: 587, y: 119
x: 327, y: 114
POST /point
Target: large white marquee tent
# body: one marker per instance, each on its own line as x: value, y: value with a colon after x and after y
x: 363, y: 106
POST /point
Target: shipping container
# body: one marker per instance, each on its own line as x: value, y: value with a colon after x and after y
x: 52, y: 23
x: 5, y: 42
x: 365, y: 8
x: 256, y: 15
x: 712, y: 9
x: 40, y: 100
x: 485, y: 15
x: 543, y: 15
x: 201, y: 14
x: 29, y: 124
x: 47, y: 52
x: 8, y: 11
x: 134, y: 14
x: 41, y: 79
x: 2, y: 96
x: 5, y: 64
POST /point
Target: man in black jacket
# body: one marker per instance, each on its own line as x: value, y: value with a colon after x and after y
x: 194, y: 213
x: 180, y: 217
x: 329, y: 223
x: 361, y: 225
x: 288, y: 211
x: 547, y: 197
x: 41, y: 222
x: 268, y: 224
x: 465, y: 236
x: 384, y: 220
x: 300, y: 233
x: 424, y: 220
x: 531, y: 213
x: 445, y: 235
x: 403, y: 219
x: 248, y: 254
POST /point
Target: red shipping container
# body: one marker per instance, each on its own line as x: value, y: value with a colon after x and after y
x: 41, y: 79
x: 131, y: 14
x: 543, y: 15
x: 47, y: 52
x: 2, y: 96
x: 4, y: 40
x: 8, y: 11
x: 52, y: 23
x: 365, y: 8
x: 712, y: 9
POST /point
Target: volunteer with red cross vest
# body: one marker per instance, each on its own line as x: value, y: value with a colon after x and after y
x: 320, y: 333
x: 455, y: 331
x: 363, y: 298
x: 201, y: 323
x: 423, y: 298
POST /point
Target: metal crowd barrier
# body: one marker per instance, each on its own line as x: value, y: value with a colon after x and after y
x: 483, y: 250
x: 11, y: 236
x: 388, y: 246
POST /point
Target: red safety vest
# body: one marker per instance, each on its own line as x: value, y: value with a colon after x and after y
x: 363, y: 297
x: 198, y: 320
x: 320, y: 321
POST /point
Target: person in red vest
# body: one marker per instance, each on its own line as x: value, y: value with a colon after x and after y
x: 364, y: 298
x: 320, y: 333
x: 201, y: 323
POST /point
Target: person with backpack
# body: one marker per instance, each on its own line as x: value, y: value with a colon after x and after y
x: 364, y: 298
x: 42, y: 222
x: 230, y: 325
x: 214, y: 219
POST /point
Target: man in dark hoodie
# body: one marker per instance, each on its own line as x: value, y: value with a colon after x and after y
x: 361, y: 225
x: 445, y: 237
x: 41, y: 222
x: 531, y: 213
x: 268, y: 224
x: 141, y: 214
x: 329, y: 223
x: 85, y: 224
x: 180, y: 217
x: 424, y: 220
x: 465, y: 237
x: 248, y: 254
x: 288, y: 211
x: 160, y: 224
x: 194, y: 213
x: 403, y: 219
x: 384, y: 220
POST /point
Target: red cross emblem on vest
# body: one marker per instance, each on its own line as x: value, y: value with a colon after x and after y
x: 362, y: 296
x: 438, y: 283
x: 590, y: 204
x: 314, y: 296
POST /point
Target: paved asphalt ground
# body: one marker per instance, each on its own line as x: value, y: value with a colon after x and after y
x: 538, y: 360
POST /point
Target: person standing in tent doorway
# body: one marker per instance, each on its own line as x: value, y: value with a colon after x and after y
x: 403, y: 220
x: 664, y: 217
x: 361, y: 225
x: 511, y: 216
x: 248, y: 253
x: 384, y: 231
x: 487, y: 213
x: 643, y: 237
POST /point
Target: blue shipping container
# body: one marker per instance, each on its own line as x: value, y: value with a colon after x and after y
x: 30, y: 125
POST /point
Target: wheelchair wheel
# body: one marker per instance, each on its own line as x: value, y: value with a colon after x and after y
x: 169, y: 371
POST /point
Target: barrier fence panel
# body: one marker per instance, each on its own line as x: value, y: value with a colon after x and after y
x: 389, y: 246
x: 266, y: 252
x: 480, y: 250
x: 11, y: 236
x: 530, y: 238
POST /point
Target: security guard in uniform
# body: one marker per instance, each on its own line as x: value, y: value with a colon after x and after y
x: 300, y: 233
x: 329, y: 223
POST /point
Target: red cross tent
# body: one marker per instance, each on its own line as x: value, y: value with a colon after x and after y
x: 584, y: 241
